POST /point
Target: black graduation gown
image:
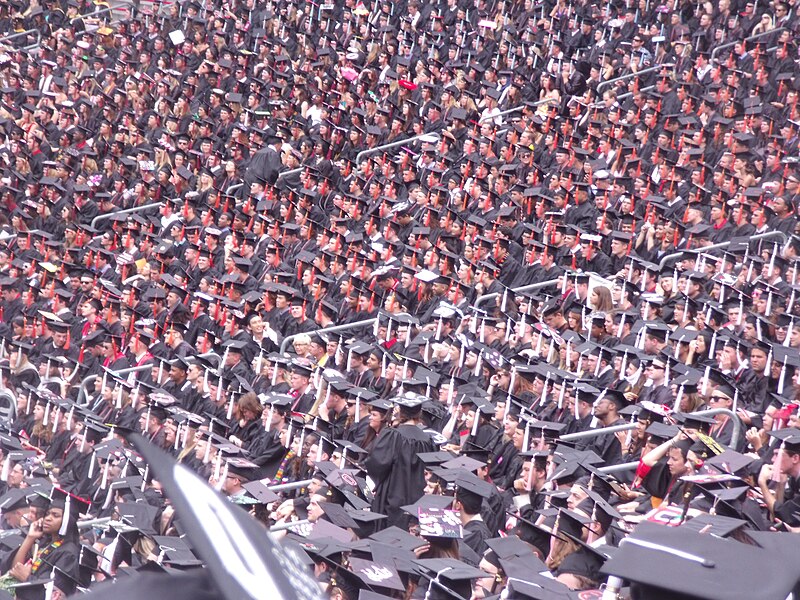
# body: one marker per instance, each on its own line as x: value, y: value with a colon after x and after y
x: 267, y: 452
x: 502, y: 459
x: 475, y: 535
x: 58, y: 446
x: 335, y: 427
x: 248, y: 433
x: 75, y: 478
x: 789, y: 508
x: 28, y: 375
x: 398, y: 472
x: 65, y: 557
x: 658, y: 479
x: 658, y: 395
x: 355, y: 432
x: 493, y: 512
x: 608, y: 447
x: 485, y: 437
x: 125, y: 417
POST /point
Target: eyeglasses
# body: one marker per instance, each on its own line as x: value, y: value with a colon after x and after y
x: 718, y: 398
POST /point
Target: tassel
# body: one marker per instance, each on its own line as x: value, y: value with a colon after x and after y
x: 65, y: 519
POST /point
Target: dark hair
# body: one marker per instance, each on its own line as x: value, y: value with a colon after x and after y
x: 249, y: 402
x: 470, y: 502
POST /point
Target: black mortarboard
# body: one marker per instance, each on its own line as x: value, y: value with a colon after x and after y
x: 677, y: 563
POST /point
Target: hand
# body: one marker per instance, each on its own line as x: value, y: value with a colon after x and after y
x: 622, y: 436
x: 285, y: 509
x: 421, y: 550
x: 20, y: 572
x: 744, y: 416
x: 36, y: 530
x: 681, y: 435
x: 754, y: 438
x: 764, y: 475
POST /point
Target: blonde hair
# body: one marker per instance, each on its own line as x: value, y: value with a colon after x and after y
x: 303, y: 338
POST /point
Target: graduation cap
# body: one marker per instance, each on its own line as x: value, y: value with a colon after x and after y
x: 653, y: 555
x: 13, y: 499
x: 377, y: 575
x: 57, y: 579
x: 241, y: 560
x: 448, y: 577
x: 717, y: 525
x: 427, y: 502
x: 789, y: 437
x: 439, y: 523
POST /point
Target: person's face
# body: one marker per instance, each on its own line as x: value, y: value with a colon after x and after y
x: 518, y: 438
x: 675, y: 462
x: 170, y: 431
x: 576, y: 495
x: 788, y: 462
x: 602, y: 408
x: 15, y: 476
x: 231, y: 483
x: 52, y: 521
x: 315, y: 508
x: 758, y: 360
x: 297, y: 381
x: 142, y: 421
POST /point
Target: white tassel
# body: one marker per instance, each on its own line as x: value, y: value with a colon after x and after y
x: 66, y: 516
x: 268, y: 424
x: 275, y: 367
x: 302, y: 441
x: 6, y: 468
x: 289, y: 435
x: 207, y: 454
x: 104, y: 480
x: 526, y: 438
x: 221, y: 480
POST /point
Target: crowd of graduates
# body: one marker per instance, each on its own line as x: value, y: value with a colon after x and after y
x: 445, y: 299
